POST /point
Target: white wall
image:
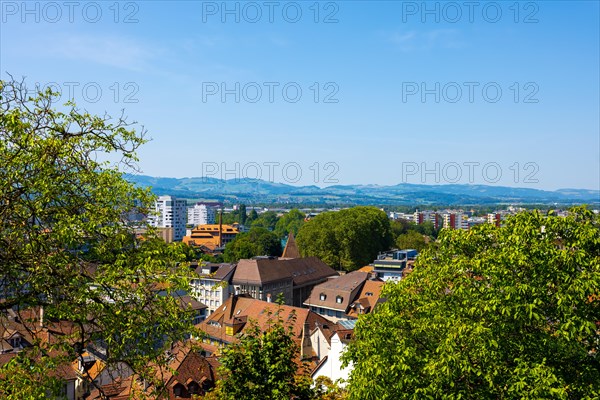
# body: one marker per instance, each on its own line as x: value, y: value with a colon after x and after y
x: 332, y: 367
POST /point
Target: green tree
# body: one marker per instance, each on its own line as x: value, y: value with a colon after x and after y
x: 229, y: 218
x: 67, y: 244
x: 326, y: 389
x: 347, y: 239
x: 242, y: 213
x: 266, y: 220
x: 262, y: 365
x: 399, y: 227
x: 426, y: 228
x: 289, y: 222
x: 411, y: 240
x: 253, y: 216
x: 491, y: 313
x: 255, y: 242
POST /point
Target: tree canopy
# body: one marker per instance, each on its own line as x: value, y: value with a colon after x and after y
x: 411, y: 240
x: 262, y: 365
x: 67, y: 244
x: 490, y: 313
x: 267, y: 220
x: 292, y: 221
x: 256, y: 242
x: 348, y: 239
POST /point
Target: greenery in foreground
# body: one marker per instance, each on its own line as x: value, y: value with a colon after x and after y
x: 264, y: 365
x: 490, y: 313
x: 67, y: 245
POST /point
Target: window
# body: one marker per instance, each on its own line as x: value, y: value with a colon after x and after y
x: 339, y: 299
x: 229, y: 330
x: 369, y: 294
x: 323, y: 297
x: 178, y: 390
x: 15, y: 342
x: 193, y: 388
x: 338, y: 314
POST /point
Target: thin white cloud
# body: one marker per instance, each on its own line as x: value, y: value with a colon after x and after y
x: 113, y: 51
x: 415, y: 40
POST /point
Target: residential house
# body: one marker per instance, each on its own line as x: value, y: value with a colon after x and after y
x: 240, y: 311
x: 345, y: 297
x: 20, y: 329
x: 187, y: 375
x: 331, y: 365
x: 368, y: 297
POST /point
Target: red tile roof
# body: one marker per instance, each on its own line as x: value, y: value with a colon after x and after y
x: 238, y: 310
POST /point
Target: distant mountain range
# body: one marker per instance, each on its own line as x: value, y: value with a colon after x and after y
x: 260, y: 191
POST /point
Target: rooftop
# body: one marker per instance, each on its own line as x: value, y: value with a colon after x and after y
x: 264, y: 270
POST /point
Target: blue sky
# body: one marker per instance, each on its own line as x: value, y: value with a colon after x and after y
x: 391, y: 92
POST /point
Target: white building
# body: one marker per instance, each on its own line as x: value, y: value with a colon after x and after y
x: 201, y: 214
x: 212, y: 286
x: 455, y: 220
x: 170, y: 212
x: 399, y: 215
x: 329, y: 352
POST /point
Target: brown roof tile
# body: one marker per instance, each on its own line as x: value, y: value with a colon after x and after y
x: 368, y: 297
x: 291, y: 248
x: 337, y: 293
x: 238, y: 310
x: 302, y: 271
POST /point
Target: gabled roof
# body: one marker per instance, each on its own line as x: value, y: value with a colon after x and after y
x: 219, y: 272
x: 239, y: 310
x: 337, y: 293
x: 187, y: 302
x: 302, y: 271
x: 291, y: 248
x: 185, y: 365
x: 368, y: 297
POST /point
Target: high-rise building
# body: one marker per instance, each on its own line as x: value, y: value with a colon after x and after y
x: 455, y: 220
x: 494, y: 219
x: 420, y: 217
x: 170, y: 212
x: 201, y: 214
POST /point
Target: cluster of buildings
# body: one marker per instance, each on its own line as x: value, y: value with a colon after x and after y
x: 171, y: 217
x: 319, y: 305
x: 82, y: 376
x: 455, y: 219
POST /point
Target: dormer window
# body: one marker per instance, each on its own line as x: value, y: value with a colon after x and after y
x: 193, y: 388
x: 178, y: 390
x: 339, y: 299
x: 15, y: 341
x: 322, y: 296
